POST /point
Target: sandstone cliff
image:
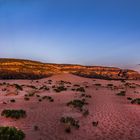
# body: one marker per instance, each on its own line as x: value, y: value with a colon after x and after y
x: 26, y: 69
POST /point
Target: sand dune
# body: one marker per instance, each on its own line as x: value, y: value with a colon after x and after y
x: 117, y: 118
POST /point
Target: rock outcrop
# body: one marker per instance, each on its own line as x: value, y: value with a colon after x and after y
x: 26, y: 69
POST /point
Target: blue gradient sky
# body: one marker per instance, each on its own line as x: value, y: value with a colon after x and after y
x: 89, y: 32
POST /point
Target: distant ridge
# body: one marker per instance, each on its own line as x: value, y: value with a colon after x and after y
x: 29, y: 69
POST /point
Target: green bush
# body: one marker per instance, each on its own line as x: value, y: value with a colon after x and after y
x: 26, y: 98
x: 110, y: 85
x: 122, y: 93
x: 77, y: 103
x: 11, y: 133
x: 48, y: 97
x: 86, y: 112
x: 71, y: 122
x: 40, y: 100
x: 13, y: 113
x: 60, y: 88
x: 31, y: 94
x: 18, y: 87
x: 95, y: 123
x: 81, y: 89
x: 97, y: 84
x: 36, y: 128
x: 136, y: 101
x: 44, y: 88
x: 12, y: 100
x: 129, y: 98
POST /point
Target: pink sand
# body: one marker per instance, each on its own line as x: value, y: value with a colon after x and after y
x: 118, y: 118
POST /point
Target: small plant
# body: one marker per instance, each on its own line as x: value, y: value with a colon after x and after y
x: 83, y: 95
x: 4, y: 103
x: 44, y: 88
x: 51, y: 100
x: 11, y: 133
x: 95, y: 124
x: 136, y: 101
x: 98, y: 84
x: 86, y: 112
x: 26, y: 98
x: 37, y: 95
x: 88, y: 96
x: 129, y: 98
x: 81, y: 89
x: 76, y: 85
x: 13, y: 113
x: 36, y: 128
x: 122, y: 93
x: 68, y: 129
x: 48, y: 97
x: 110, y: 85
x: 73, y: 89
x: 69, y: 122
x: 31, y: 86
x: 12, y: 100
x: 18, y: 87
x: 40, y: 100
x: 60, y: 88
x: 77, y: 103
x: 31, y: 94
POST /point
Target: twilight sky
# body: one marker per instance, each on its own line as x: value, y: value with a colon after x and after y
x: 89, y: 32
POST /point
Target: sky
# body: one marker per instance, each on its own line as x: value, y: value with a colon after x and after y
x: 87, y: 32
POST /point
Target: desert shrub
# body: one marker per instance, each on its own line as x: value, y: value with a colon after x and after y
x: 26, y: 98
x: 77, y: 103
x: 132, y: 86
x: 12, y: 100
x: 76, y: 85
x: 26, y: 95
x: 13, y: 113
x: 40, y: 100
x: 136, y: 101
x: 69, y: 122
x: 73, y: 89
x: 110, y: 85
x: 86, y: 112
x: 83, y: 95
x: 95, y: 123
x: 48, y: 97
x: 68, y: 129
x: 53, y: 86
x: 129, y: 98
x: 123, y: 81
x: 18, y: 87
x: 97, y: 84
x: 88, y: 96
x: 4, y: 89
x: 50, y: 82
x: 31, y: 94
x: 60, y: 88
x: 51, y: 100
x: 44, y: 88
x: 4, y: 83
x: 81, y: 89
x: 122, y: 93
x: 31, y: 86
x: 36, y: 128
x: 11, y: 133
x: 4, y: 103
x: 37, y: 95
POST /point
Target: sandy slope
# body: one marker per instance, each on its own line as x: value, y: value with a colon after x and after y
x: 118, y: 119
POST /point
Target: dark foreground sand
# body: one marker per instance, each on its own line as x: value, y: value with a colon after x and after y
x: 118, y: 118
